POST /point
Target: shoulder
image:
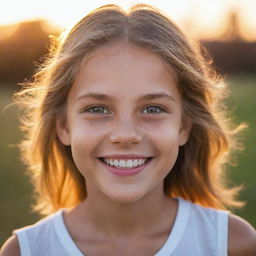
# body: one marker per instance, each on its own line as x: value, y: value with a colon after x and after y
x: 10, y: 247
x: 34, y: 232
x: 242, y: 237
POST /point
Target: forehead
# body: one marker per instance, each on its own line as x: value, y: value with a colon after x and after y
x: 110, y: 56
x: 122, y: 68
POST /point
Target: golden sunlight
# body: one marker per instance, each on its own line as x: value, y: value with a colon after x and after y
x: 206, y: 19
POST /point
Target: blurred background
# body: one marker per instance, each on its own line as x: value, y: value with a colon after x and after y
x: 226, y: 28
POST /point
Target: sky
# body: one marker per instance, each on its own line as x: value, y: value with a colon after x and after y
x: 207, y: 16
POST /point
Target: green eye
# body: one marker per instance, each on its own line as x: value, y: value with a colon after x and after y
x: 97, y: 110
x: 153, y: 110
x: 104, y: 110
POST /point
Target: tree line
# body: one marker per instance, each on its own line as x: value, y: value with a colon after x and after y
x: 26, y: 47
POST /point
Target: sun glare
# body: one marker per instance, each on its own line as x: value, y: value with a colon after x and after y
x: 204, y: 18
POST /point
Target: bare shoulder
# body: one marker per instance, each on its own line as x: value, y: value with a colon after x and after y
x: 10, y: 247
x: 242, y: 237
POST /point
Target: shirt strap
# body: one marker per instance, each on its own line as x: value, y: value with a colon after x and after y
x: 222, y: 233
x: 23, y: 242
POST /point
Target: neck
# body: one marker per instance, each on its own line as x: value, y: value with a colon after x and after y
x: 128, y: 219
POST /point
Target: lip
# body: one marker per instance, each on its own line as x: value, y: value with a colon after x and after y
x: 125, y: 172
x: 130, y: 156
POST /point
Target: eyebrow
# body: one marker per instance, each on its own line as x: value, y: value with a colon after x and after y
x: 150, y: 96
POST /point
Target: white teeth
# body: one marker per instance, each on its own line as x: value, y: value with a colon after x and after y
x: 122, y: 163
x: 130, y: 163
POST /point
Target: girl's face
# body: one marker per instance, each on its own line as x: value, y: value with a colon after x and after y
x: 124, y: 109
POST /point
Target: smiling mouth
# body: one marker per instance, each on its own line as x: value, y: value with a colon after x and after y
x: 126, y: 163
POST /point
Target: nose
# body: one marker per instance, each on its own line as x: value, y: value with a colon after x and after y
x: 125, y: 132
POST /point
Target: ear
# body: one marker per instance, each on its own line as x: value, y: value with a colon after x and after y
x: 185, y: 131
x: 62, y: 129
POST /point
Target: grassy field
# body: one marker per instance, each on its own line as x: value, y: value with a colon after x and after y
x: 243, y: 103
x: 15, y: 189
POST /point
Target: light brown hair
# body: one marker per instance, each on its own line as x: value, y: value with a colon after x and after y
x: 198, y: 174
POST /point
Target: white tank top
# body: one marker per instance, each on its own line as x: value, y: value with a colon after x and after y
x: 196, y: 231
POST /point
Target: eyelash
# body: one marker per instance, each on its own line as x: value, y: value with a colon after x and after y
x: 103, y: 107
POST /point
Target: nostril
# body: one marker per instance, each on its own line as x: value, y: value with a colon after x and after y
x: 125, y: 137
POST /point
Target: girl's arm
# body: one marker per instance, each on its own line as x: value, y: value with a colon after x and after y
x: 242, y: 237
x: 10, y: 247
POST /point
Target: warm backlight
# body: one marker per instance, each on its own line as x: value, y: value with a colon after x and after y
x: 206, y: 19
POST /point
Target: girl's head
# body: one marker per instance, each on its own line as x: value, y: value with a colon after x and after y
x: 125, y: 56
x: 124, y: 106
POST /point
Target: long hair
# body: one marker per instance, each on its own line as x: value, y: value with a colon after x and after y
x: 198, y: 174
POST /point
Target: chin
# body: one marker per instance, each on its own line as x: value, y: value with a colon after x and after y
x: 125, y: 197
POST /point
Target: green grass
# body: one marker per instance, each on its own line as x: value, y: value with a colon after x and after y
x: 16, y: 192
x: 243, y: 90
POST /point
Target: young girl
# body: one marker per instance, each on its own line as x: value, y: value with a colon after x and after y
x: 126, y: 140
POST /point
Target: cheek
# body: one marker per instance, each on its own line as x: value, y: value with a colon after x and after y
x: 166, y: 143
x: 164, y: 131
x: 85, y: 140
x: 86, y: 132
